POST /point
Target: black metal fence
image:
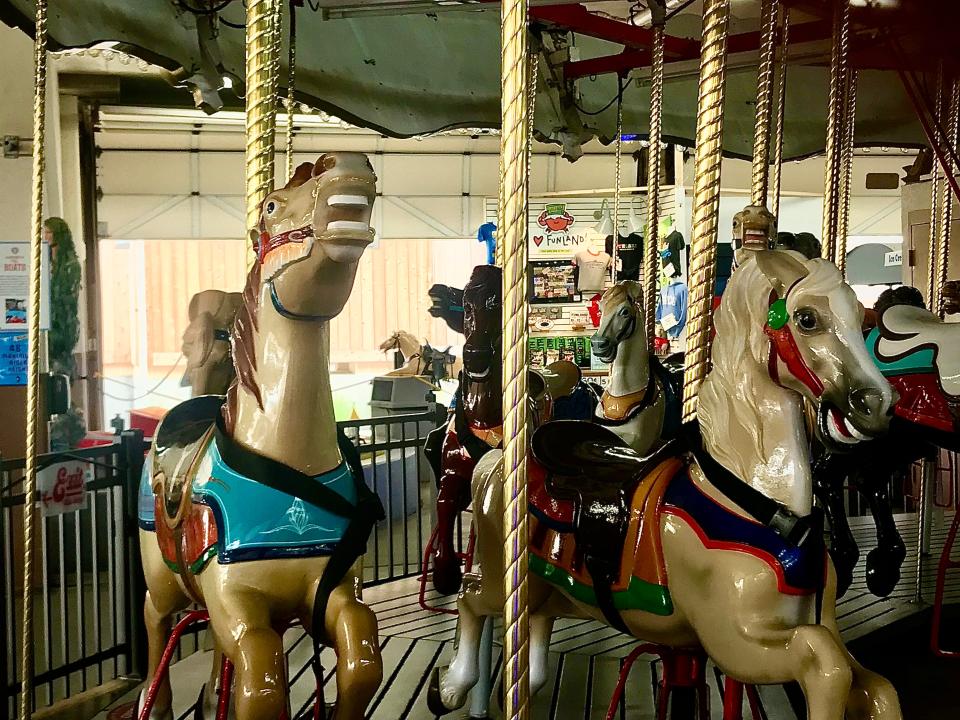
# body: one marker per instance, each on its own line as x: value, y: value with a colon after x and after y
x: 88, y: 586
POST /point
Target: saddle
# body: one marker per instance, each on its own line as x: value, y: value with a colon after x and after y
x: 592, y: 468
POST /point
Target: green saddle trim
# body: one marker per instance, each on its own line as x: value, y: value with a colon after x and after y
x: 920, y: 361
x: 197, y: 565
x: 639, y: 595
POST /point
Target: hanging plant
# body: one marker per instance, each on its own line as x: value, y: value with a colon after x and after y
x: 64, y: 296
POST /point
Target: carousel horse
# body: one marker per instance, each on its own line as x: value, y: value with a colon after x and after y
x: 708, y: 543
x: 920, y: 356
x: 421, y: 359
x: 206, y: 342
x: 255, y: 507
x: 635, y: 403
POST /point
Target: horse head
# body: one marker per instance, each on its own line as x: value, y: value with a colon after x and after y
x: 482, y: 325
x: 313, y: 232
x: 812, y: 343
x: 621, y: 319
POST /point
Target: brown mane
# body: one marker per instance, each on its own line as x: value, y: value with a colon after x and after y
x: 245, y: 326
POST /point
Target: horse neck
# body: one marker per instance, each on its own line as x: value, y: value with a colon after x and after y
x: 630, y: 371
x: 409, y: 345
x: 483, y: 404
x: 752, y: 426
x: 296, y: 424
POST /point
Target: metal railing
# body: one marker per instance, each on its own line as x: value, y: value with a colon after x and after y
x: 85, y: 619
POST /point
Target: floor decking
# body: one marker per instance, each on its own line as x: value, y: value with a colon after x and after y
x: 585, y: 657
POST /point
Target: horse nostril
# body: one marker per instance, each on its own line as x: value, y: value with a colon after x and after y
x: 866, y: 401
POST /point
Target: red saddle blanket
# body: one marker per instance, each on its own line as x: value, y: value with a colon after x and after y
x: 191, y: 542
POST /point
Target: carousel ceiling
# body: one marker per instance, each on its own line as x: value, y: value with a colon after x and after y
x: 411, y: 67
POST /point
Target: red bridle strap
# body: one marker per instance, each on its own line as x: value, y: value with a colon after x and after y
x: 268, y: 243
x: 783, y: 347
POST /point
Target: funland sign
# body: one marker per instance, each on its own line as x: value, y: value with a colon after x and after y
x: 555, y: 231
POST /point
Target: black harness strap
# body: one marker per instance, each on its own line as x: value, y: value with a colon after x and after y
x: 283, y: 478
x: 651, y: 393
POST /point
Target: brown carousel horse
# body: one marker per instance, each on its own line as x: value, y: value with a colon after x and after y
x: 254, y: 508
x: 710, y: 543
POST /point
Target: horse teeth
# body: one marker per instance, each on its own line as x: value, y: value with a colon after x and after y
x: 348, y: 225
x: 347, y: 200
x: 833, y: 427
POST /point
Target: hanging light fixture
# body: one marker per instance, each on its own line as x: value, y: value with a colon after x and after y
x: 604, y: 224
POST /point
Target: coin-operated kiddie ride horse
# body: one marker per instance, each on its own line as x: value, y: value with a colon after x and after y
x: 708, y: 543
x: 254, y: 507
x: 920, y: 356
x: 423, y: 360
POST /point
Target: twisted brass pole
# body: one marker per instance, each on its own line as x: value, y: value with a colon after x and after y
x: 652, y: 240
x: 835, y: 108
x: 706, y: 198
x: 512, y: 229
x: 946, y: 203
x: 33, y: 359
x: 764, y: 109
x: 291, y: 86
x: 846, y: 177
x: 618, y: 154
x: 934, y: 199
x: 260, y: 105
x: 777, y: 152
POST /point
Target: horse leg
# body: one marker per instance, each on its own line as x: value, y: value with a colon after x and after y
x: 885, y: 560
x: 829, y: 473
x: 243, y: 630
x: 541, y: 628
x: 352, y: 627
x: 453, y: 498
x: 164, y: 597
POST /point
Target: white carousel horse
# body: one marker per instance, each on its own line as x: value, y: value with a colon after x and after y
x: 252, y: 508
x: 633, y: 404
x: 740, y: 578
x: 417, y: 358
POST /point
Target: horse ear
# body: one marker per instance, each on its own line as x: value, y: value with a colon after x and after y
x: 780, y: 268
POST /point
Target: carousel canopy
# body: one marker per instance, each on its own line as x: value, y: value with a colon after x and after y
x: 412, y: 67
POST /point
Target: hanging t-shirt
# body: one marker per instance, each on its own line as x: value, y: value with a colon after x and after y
x: 671, y: 250
x: 629, y: 255
x: 592, y: 270
x: 672, y: 307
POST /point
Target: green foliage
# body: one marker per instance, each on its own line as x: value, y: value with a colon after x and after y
x: 64, y: 296
x: 67, y: 429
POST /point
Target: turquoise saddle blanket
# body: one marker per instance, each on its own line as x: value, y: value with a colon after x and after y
x: 256, y: 522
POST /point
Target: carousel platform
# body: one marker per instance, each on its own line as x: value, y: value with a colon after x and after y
x: 585, y: 659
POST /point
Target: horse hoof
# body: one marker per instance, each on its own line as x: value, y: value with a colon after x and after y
x: 434, y: 701
x: 883, y: 570
x: 447, y: 575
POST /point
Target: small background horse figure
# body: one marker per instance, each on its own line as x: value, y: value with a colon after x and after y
x: 285, y: 555
x: 421, y: 359
x: 689, y: 566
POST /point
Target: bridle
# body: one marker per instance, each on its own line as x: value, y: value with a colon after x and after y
x: 784, y: 348
x: 266, y: 243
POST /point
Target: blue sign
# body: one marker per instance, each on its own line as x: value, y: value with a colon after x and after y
x: 13, y: 358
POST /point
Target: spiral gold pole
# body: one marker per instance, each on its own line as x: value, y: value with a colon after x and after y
x: 291, y: 86
x: 652, y: 241
x: 260, y: 105
x: 706, y: 198
x: 946, y: 203
x: 512, y: 231
x: 846, y: 177
x: 777, y: 151
x: 764, y: 109
x: 33, y: 359
x: 835, y: 111
x: 932, y: 271
x: 618, y: 155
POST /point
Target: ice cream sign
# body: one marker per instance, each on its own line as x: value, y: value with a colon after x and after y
x: 553, y: 233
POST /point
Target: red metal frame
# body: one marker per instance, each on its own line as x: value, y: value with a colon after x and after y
x: 466, y: 556
x: 945, y: 564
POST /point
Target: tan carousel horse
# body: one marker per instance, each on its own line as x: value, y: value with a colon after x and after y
x: 713, y: 547
x: 251, y: 506
x: 417, y: 358
x: 206, y: 342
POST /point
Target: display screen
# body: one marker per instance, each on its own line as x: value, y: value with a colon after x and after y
x: 553, y: 281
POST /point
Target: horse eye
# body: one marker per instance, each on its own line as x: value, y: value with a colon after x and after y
x: 271, y: 207
x: 806, y: 319
x: 624, y: 312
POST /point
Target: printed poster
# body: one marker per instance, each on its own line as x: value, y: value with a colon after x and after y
x: 13, y: 358
x: 15, y: 286
x: 63, y: 486
x: 556, y: 230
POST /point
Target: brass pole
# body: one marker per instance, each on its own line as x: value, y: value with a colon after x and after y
x: 652, y: 239
x: 932, y: 272
x: 291, y: 86
x: 260, y: 105
x: 706, y: 198
x: 946, y: 203
x: 835, y: 107
x: 33, y: 359
x: 764, y: 109
x: 843, y: 211
x: 512, y: 231
x: 777, y: 152
x: 618, y: 154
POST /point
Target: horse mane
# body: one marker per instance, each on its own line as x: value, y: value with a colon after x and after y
x: 618, y: 293
x: 246, y: 325
x: 739, y: 323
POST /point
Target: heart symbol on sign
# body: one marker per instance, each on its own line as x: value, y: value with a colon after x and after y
x: 537, y: 239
